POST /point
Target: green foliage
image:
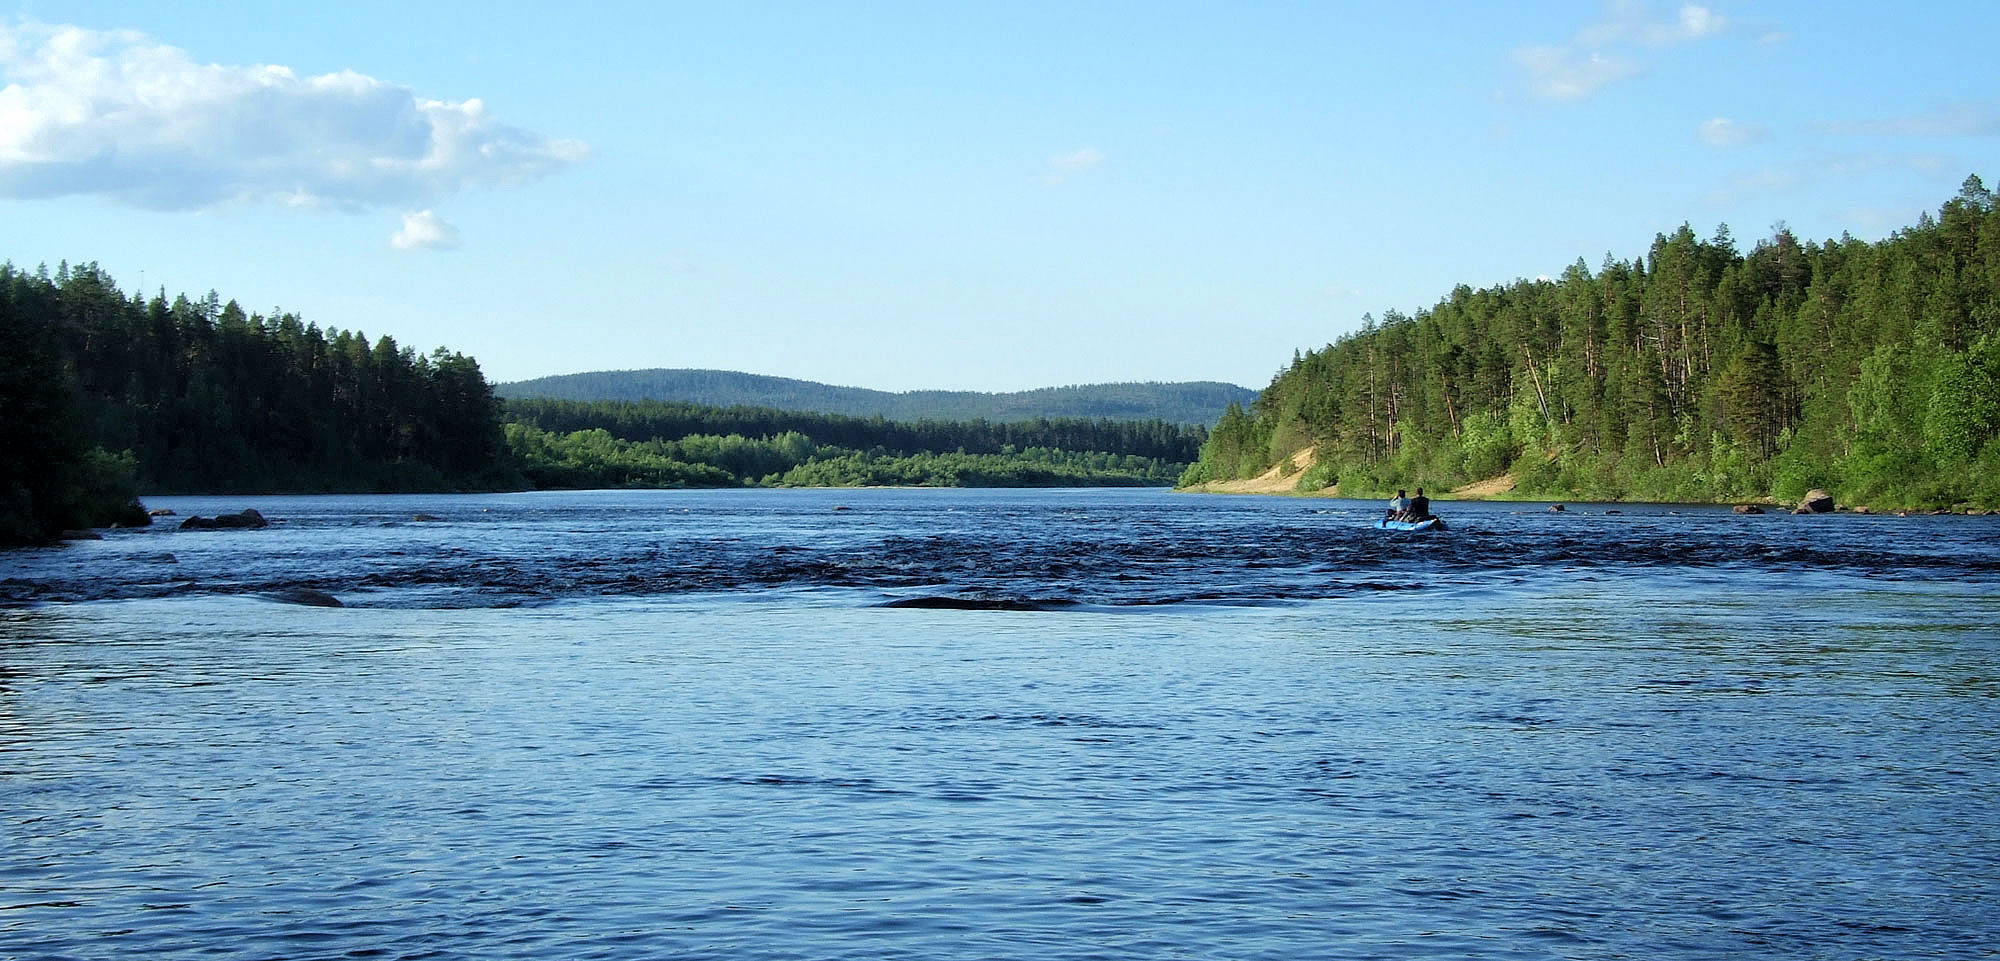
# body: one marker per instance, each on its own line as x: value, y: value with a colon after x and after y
x: 594, y: 458
x: 647, y: 420
x: 207, y: 397
x: 1486, y: 447
x: 1696, y: 373
x: 1320, y: 476
x: 569, y: 444
x: 1182, y: 403
x: 1960, y: 414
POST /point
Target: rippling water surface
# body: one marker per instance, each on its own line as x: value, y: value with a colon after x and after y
x: 1052, y: 724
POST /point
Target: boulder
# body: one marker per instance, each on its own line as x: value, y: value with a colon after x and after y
x: 1557, y: 508
x: 248, y: 518
x: 1748, y: 509
x: 161, y: 512
x: 1816, y: 501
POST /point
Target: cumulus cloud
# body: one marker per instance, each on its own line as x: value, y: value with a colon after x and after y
x: 1724, y: 132
x: 425, y: 230
x: 1601, y: 53
x: 116, y: 114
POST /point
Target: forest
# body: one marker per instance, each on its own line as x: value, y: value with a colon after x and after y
x: 104, y: 395
x: 1698, y: 373
x: 203, y: 396
x: 1178, y: 403
x: 655, y: 443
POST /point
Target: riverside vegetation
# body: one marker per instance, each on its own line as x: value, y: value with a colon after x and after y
x: 1177, y: 403
x: 105, y: 395
x: 1698, y: 373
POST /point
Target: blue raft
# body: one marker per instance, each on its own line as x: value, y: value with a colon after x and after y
x: 1427, y: 524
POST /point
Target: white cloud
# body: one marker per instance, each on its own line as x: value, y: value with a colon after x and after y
x: 1724, y: 132
x: 425, y: 230
x: 1697, y: 22
x: 1956, y: 120
x: 115, y: 114
x: 1077, y: 161
x: 1630, y: 21
x: 1599, y: 55
x: 1064, y: 166
x: 1563, y: 73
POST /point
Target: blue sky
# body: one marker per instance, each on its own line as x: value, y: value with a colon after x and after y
x: 937, y: 195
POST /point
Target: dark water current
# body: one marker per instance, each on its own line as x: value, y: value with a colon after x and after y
x: 952, y: 724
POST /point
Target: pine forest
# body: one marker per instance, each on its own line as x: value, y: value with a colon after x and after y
x: 1698, y: 373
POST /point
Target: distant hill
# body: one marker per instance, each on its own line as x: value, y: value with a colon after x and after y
x: 1199, y: 402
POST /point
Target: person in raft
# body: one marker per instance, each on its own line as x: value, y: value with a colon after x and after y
x: 1420, y: 506
x: 1399, y: 506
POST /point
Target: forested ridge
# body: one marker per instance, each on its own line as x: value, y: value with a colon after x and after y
x: 1696, y: 373
x: 1179, y: 403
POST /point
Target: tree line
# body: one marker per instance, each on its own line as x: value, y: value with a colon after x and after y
x: 595, y: 458
x: 103, y: 395
x: 575, y: 444
x: 1696, y: 373
x: 208, y: 397
x: 1178, y: 403
x: 666, y: 420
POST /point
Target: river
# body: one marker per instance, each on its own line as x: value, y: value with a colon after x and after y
x: 999, y: 724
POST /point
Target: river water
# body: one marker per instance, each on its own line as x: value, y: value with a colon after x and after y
x: 1000, y: 724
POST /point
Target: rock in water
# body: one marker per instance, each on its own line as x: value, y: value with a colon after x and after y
x: 1816, y: 501
x: 1748, y: 509
x: 248, y: 518
x: 306, y: 596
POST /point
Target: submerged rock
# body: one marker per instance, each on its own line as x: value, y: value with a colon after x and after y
x: 1747, y: 509
x: 305, y: 596
x: 82, y: 536
x: 161, y: 512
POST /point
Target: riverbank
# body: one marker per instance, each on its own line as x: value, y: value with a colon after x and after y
x: 1280, y: 479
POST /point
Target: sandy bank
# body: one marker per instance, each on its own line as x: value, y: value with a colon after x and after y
x: 1281, y: 479
x: 1284, y: 479
x: 1490, y: 487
